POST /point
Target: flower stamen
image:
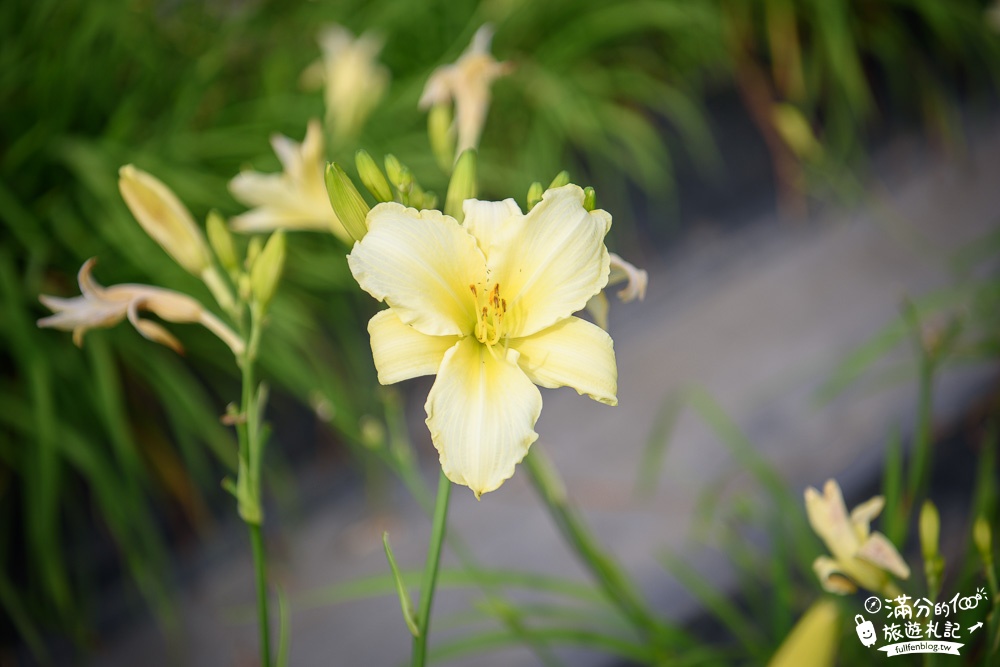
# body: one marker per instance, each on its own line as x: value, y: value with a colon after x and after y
x: 489, y: 327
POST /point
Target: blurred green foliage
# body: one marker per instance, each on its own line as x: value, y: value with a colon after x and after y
x: 117, y: 436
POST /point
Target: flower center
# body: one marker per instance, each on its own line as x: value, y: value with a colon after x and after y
x: 490, y: 309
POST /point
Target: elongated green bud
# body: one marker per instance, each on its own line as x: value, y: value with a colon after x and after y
x: 394, y: 169
x: 442, y: 135
x: 372, y: 177
x: 589, y: 199
x: 462, y: 185
x: 930, y: 529
x: 266, y: 272
x: 405, y: 184
x: 561, y: 179
x: 347, y: 202
x: 253, y: 251
x: 983, y: 538
x: 222, y: 242
x: 535, y: 193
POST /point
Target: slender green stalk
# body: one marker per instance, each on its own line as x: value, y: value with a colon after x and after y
x: 429, y: 582
x: 260, y: 568
x: 248, y: 432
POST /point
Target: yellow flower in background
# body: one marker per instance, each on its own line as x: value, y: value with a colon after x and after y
x: 351, y: 76
x: 295, y: 199
x: 467, y: 82
x: 487, y: 306
x: 860, y: 557
x: 101, y: 307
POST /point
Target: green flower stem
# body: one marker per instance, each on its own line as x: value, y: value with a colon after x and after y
x: 602, y: 566
x: 248, y: 432
x: 260, y: 568
x: 429, y: 582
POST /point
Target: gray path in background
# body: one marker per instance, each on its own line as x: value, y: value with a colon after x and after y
x: 758, y: 318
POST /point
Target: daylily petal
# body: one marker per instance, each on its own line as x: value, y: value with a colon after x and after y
x: 481, y: 413
x: 294, y: 199
x: 256, y: 189
x: 401, y: 352
x: 551, y: 261
x: 422, y: 264
x: 267, y: 219
x: 880, y: 552
x: 485, y: 219
x: 831, y: 577
x: 153, y: 331
x: 862, y: 515
x: 571, y: 353
x: 828, y: 517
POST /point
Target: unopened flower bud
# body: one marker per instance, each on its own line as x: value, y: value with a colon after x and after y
x: 165, y: 218
x: 394, y: 169
x: 441, y: 131
x: 372, y: 177
x: 930, y: 529
x: 267, y: 269
x: 347, y: 202
x: 983, y: 538
x: 222, y: 242
x: 462, y: 185
x: 561, y: 179
x: 535, y: 193
x: 589, y: 199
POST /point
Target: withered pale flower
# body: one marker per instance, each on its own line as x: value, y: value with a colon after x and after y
x: 467, y: 82
x: 487, y: 306
x: 635, y: 280
x: 860, y: 557
x: 353, y: 81
x: 99, y: 307
x: 295, y: 199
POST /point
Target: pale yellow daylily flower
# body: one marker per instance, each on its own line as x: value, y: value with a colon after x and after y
x: 487, y: 306
x: 295, y: 199
x: 353, y: 80
x: 467, y: 81
x: 860, y: 557
x: 107, y: 306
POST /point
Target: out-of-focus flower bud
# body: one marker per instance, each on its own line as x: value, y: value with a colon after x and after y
x: 535, y: 193
x: 266, y: 272
x: 347, y: 202
x: 462, y: 185
x: 164, y: 218
x: 372, y: 177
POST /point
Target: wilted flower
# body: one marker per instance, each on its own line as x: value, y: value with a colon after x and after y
x: 487, y: 306
x: 635, y: 280
x: 294, y: 199
x: 107, y: 306
x: 467, y: 82
x: 353, y: 80
x: 860, y: 557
